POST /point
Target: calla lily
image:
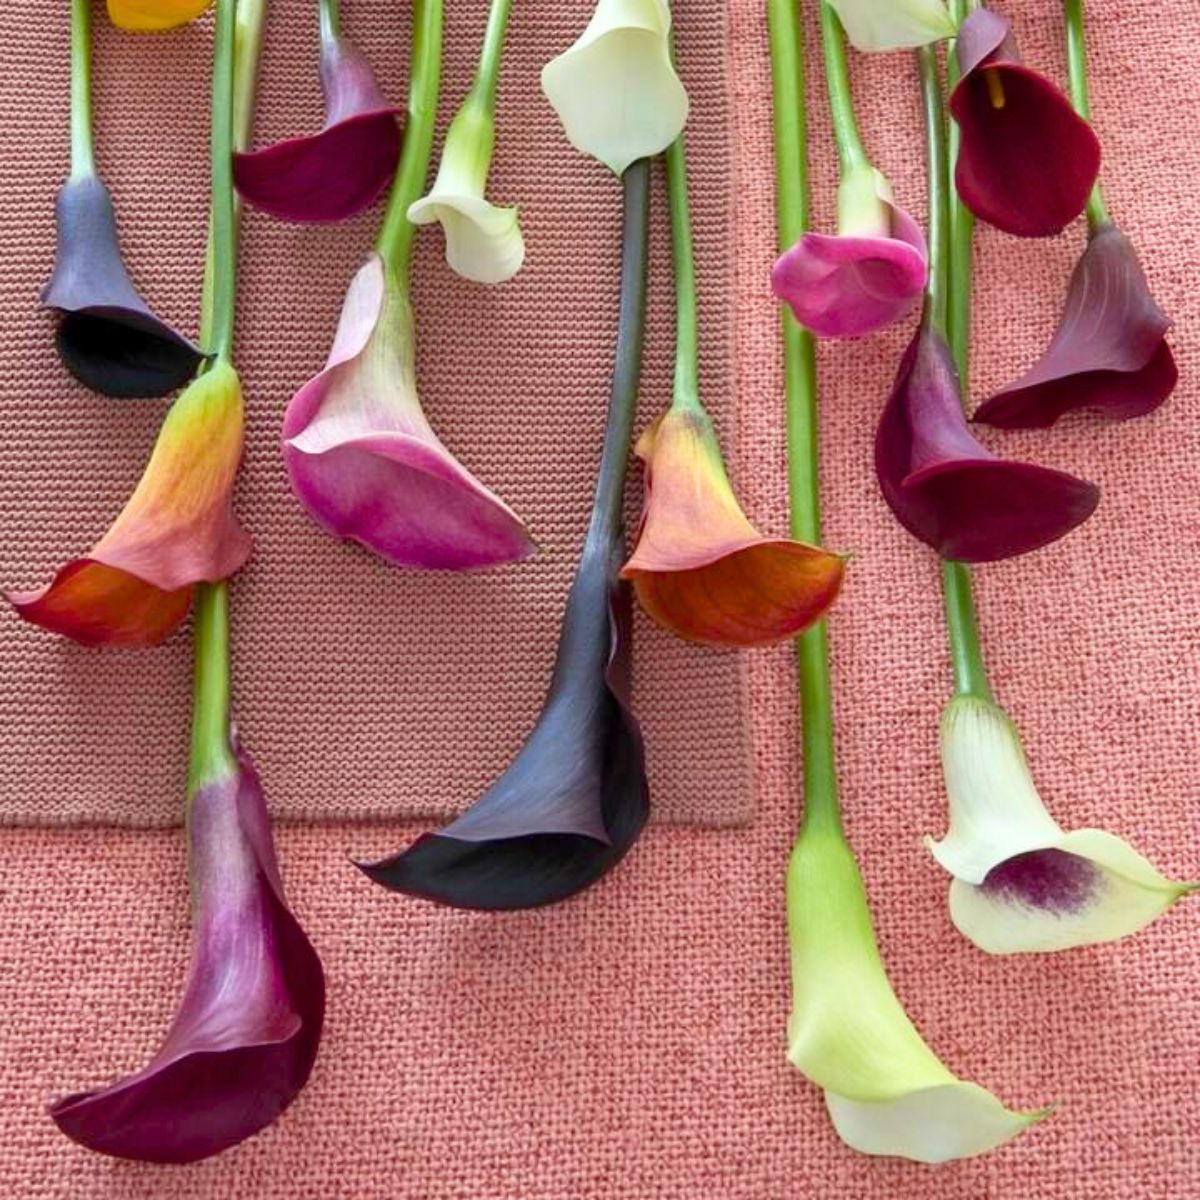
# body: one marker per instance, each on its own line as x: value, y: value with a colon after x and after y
x: 364, y: 460
x: 699, y: 567
x: 1021, y: 883
x: 947, y: 489
x: 615, y: 90
x: 893, y: 24
x: 886, y: 1091
x: 1027, y: 161
x: 152, y: 16
x: 1108, y: 353
x: 243, y: 1041
x: 340, y: 171
x: 868, y: 276
x: 177, y: 530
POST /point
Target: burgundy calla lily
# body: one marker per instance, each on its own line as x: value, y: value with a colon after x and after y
x: 1108, y: 353
x: 1027, y: 161
x: 244, y: 1039
x: 947, y: 489
x: 343, y: 169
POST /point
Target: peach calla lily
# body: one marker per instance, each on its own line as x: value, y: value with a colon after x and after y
x: 153, y: 16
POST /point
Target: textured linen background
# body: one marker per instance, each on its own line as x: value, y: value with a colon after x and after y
x: 629, y: 1045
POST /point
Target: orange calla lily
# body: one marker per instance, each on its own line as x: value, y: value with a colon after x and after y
x: 152, y: 16
x: 700, y: 568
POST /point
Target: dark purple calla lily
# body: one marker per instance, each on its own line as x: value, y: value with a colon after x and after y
x: 1108, y: 353
x: 338, y: 172
x: 1027, y: 161
x: 107, y: 336
x: 246, y: 1033
x: 947, y: 489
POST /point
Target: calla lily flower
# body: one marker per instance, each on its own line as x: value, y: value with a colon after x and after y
x: 364, y: 460
x: 1027, y: 161
x: 700, y: 568
x: 153, y: 16
x: 868, y: 276
x: 340, y: 171
x: 1108, y: 353
x: 177, y: 530
x: 245, y: 1036
x: 1021, y: 883
x: 893, y: 24
x: 886, y: 1091
x: 947, y: 489
x: 615, y: 90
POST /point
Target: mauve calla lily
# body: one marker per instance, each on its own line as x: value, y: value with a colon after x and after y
x: 699, y: 568
x: 946, y: 488
x: 364, y: 461
x: 153, y: 16
x: 869, y: 275
x: 340, y: 171
x: 245, y: 1036
x: 1027, y: 161
x: 1109, y: 352
x: 177, y: 530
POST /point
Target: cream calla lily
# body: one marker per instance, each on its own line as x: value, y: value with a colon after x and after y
x: 1021, y: 883
x: 615, y: 90
x: 893, y: 24
x: 886, y: 1091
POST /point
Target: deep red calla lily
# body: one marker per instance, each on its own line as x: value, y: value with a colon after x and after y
x: 1108, y: 353
x: 1027, y: 161
x: 947, y: 489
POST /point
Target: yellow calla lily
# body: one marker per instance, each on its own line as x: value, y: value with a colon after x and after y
x: 153, y: 16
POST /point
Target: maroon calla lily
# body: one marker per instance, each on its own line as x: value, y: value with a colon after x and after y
x: 244, y: 1039
x: 1027, y: 161
x: 338, y: 172
x: 1109, y: 352
x: 947, y: 489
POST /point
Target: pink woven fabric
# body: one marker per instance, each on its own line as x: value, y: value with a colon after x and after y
x: 630, y: 1045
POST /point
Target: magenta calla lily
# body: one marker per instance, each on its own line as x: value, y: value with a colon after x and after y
x: 244, y: 1039
x: 1027, y: 161
x: 1109, y: 352
x: 365, y: 462
x: 946, y: 488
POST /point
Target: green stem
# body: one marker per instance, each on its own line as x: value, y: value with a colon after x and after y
x: 841, y: 99
x: 223, y: 229
x: 937, y: 293
x: 821, y: 808
x: 83, y: 161
x: 687, y: 337
x: 212, y: 755
x: 331, y: 20
x: 962, y: 224
x: 1097, y: 210
x: 487, y: 76
x: 396, y: 236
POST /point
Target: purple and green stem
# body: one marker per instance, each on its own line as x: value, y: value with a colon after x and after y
x: 1073, y: 13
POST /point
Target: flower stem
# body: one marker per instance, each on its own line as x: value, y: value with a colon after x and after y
x: 212, y: 755
x: 223, y: 229
x: 937, y: 289
x: 962, y: 222
x: 396, y: 236
x: 821, y: 807
x: 331, y: 20
x: 83, y: 162
x: 841, y: 99
x: 687, y: 338
x: 487, y: 75
x: 1097, y: 210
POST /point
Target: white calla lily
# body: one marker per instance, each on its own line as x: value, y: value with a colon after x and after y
x: 893, y: 24
x: 1021, y: 883
x: 886, y: 1090
x: 615, y: 90
x: 483, y: 241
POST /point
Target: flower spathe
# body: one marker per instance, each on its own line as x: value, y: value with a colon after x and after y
x: 245, y: 1036
x: 1027, y: 161
x: 1109, y: 352
x: 177, y: 530
x: 153, y: 16
x: 615, y: 90
x: 886, y: 1091
x: 950, y: 491
x: 339, y: 171
x: 1021, y: 883
x: 107, y: 336
x: 699, y: 568
x: 483, y: 241
x: 363, y: 459
x: 873, y: 25
x: 869, y: 275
